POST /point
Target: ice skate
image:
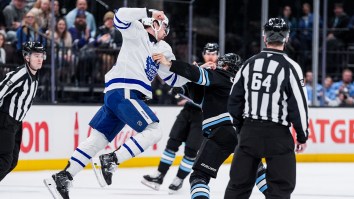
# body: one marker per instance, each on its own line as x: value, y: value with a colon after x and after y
x: 59, y: 184
x: 153, y: 181
x: 104, y: 168
x: 175, y: 185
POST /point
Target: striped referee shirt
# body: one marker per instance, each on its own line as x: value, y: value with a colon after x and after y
x: 17, y: 91
x: 270, y: 86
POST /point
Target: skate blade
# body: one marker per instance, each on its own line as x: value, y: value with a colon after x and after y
x: 96, y: 166
x: 152, y: 185
x: 171, y: 192
x: 50, y: 184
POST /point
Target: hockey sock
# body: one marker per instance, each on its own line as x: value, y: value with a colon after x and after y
x: 167, y: 158
x: 140, y: 142
x: 261, y: 178
x: 185, y: 167
x: 199, y: 189
x: 85, y: 151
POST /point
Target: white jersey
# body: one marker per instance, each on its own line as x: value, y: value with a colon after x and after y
x: 135, y: 68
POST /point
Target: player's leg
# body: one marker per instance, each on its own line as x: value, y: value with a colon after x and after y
x: 177, y: 136
x: 135, y: 113
x: 212, y: 153
x: 155, y: 179
x: 105, y: 127
x: 192, y: 146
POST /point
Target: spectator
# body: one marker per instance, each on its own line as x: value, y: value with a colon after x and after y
x: 80, y: 33
x: 340, y: 21
x: 290, y: 20
x: 30, y: 31
x: 107, y: 35
x: 304, y: 35
x: 351, y: 30
x: 330, y: 94
x: 57, y: 11
x: 13, y: 13
x: 63, y: 44
x: 30, y: 4
x: 344, y: 89
x: 43, y: 14
x: 71, y: 16
x: 308, y: 84
x: 2, y: 51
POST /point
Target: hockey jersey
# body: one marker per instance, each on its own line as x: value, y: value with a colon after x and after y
x: 217, y: 84
x: 135, y: 68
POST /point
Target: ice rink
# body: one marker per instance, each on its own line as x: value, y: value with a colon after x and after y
x: 322, y: 180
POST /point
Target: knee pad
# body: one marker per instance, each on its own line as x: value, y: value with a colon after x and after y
x: 153, y: 133
x: 210, y: 158
x: 173, y: 144
x: 94, y: 143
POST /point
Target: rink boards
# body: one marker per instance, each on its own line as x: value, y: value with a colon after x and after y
x: 51, y: 133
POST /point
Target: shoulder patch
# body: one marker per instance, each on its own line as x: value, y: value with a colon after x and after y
x: 302, y: 82
x: 9, y: 83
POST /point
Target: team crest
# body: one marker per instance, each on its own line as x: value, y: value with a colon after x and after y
x: 151, y: 68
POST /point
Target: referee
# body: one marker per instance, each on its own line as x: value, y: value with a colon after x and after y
x: 267, y: 97
x: 17, y: 91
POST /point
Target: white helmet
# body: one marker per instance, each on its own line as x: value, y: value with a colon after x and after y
x: 150, y: 22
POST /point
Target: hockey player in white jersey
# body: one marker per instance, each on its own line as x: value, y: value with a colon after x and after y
x: 127, y: 84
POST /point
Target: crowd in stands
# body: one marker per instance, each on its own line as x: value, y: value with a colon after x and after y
x: 340, y: 93
x: 80, y: 42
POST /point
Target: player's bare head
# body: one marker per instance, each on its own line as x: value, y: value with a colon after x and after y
x: 211, y: 52
x: 158, y: 28
x: 276, y: 32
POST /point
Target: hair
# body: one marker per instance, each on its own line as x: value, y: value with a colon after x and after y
x: 64, y: 35
x: 35, y: 23
x: 4, y: 37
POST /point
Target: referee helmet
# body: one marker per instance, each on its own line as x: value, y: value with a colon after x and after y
x: 31, y: 46
x: 276, y: 30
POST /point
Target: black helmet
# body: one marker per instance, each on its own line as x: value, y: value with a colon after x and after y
x: 276, y: 30
x: 234, y: 61
x: 211, y: 47
x: 32, y: 46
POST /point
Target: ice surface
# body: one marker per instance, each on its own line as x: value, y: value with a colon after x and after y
x: 314, y: 180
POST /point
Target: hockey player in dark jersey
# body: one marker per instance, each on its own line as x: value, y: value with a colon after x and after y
x: 221, y: 138
x: 187, y: 128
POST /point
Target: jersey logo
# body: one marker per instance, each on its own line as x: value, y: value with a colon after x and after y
x: 151, y: 68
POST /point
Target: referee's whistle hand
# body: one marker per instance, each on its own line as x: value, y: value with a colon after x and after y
x: 300, y: 148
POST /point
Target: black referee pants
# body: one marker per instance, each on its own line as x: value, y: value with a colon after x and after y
x: 10, y: 143
x: 263, y: 139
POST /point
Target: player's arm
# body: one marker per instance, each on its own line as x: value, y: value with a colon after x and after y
x: 236, y: 102
x: 297, y: 103
x: 194, y: 73
x: 126, y: 18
